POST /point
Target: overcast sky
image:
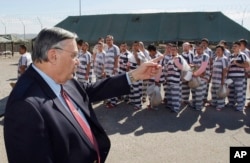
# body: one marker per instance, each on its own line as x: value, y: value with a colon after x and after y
x: 31, y: 16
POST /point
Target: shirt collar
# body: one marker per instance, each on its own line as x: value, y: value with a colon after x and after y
x: 52, y: 84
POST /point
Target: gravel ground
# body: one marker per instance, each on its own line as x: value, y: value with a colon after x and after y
x: 147, y: 136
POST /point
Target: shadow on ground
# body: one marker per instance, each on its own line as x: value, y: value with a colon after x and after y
x: 222, y: 120
x: 2, y: 122
x: 124, y: 120
x: 3, y: 102
x: 12, y: 79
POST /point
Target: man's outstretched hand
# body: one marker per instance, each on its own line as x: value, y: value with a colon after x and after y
x: 148, y: 69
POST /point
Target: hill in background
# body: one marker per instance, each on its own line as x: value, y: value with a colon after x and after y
x: 28, y: 36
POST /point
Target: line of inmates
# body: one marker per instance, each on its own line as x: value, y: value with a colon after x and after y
x: 211, y: 68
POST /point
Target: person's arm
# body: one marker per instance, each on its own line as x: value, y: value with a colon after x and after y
x: 116, y: 64
x: 223, y: 77
x: 103, y: 66
x: 128, y: 66
x: 224, y: 71
x: 87, y: 70
x: 26, y: 135
x: 137, y: 59
x: 103, y: 71
x: 120, y: 84
x: 178, y: 64
x: 107, y: 88
x: 22, y: 69
x: 201, y: 69
x: 158, y: 76
x: 242, y: 65
x: 23, y: 65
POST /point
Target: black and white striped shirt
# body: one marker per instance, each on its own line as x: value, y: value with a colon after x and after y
x: 99, y: 64
x: 234, y: 70
x: 173, y: 73
x: 220, y: 63
x: 111, y: 54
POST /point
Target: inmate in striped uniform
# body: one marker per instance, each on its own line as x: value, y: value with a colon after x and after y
x: 219, y: 64
x: 91, y: 71
x: 99, y: 64
x: 144, y: 82
x: 161, y: 62
x: 237, y: 93
x: 227, y: 54
x: 111, y: 54
x: 123, y: 61
x: 199, y: 92
x: 153, y: 80
x: 185, y: 88
x: 136, y: 87
x: 173, y: 80
x: 123, y: 67
x: 210, y: 64
x: 247, y: 53
x: 81, y: 72
x: 167, y: 57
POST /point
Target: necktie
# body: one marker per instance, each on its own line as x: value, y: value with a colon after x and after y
x: 86, y: 129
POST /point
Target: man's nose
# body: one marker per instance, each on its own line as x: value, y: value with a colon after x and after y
x: 77, y: 61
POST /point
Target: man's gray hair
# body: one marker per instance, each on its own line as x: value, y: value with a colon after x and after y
x: 47, y: 39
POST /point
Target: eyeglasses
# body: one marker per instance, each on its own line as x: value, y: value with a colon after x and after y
x: 73, y: 54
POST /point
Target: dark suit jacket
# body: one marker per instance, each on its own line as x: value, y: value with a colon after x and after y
x: 38, y: 129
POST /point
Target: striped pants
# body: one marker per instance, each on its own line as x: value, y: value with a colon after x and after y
x: 144, y: 88
x: 245, y: 88
x: 185, y: 92
x: 173, y: 96
x: 198, y: 95
x: 136, y: 93
x: 165, y: 85
x: 113, y: 100
x: 217, y: 102
x: 205, y: 98
x: 237, y: 93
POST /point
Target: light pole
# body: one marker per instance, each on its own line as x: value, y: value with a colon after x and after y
x: 4, y: 27
x: 243, y: 15
x: 23, y: 29
x: 80, y: 7
x: 40, y: 22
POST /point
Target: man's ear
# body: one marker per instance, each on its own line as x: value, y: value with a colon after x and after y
x: 52, y: 56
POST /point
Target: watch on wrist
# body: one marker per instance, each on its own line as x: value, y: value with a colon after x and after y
x: 132, y: 79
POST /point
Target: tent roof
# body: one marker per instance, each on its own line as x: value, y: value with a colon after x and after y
x: 4, y: 40
x: 156, y: 27
x: 12, y: 38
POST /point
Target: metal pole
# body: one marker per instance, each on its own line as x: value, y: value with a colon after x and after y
x: 243, y: 16
x: 40, y: 23
x: 80, y: 7
x: 23, y: 29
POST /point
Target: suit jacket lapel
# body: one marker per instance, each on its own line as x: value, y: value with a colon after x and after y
x: 77, y: 97
x: 51, y: 95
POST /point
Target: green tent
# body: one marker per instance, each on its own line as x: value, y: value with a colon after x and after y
x: 156, y: 27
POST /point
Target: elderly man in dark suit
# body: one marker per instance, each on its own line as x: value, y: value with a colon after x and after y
x: 49, y: 117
